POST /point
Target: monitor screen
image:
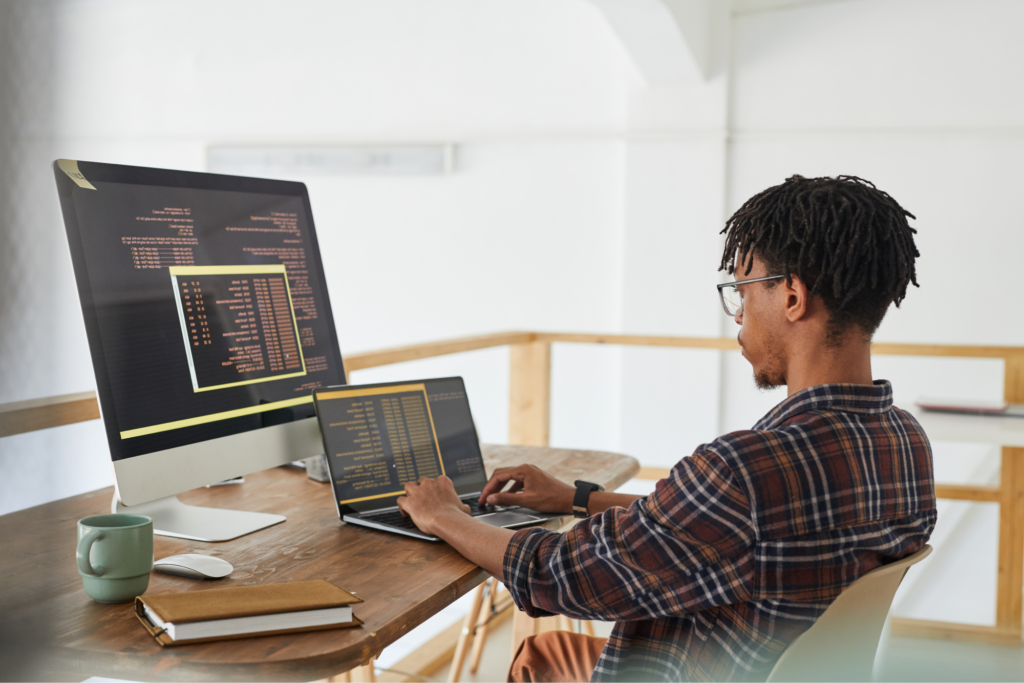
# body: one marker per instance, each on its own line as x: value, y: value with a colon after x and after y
x: 379, y: 436
x: 204, y: 300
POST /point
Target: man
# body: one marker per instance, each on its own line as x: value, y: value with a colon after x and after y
x: 751, y: 538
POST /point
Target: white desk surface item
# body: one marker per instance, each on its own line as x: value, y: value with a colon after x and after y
x: 995, y: 429
x: 960, y: 405
x: 194, y: 566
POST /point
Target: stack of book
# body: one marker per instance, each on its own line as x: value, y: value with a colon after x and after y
x: 245, y: 611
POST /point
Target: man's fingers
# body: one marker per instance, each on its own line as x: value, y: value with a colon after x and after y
x: 402, y: 500
x: 516, y: 487
x: 503, y: 499
x: 466, y: 509
x: 498, y: 480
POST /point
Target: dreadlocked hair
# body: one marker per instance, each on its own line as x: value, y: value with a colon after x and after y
x: 846, y: 239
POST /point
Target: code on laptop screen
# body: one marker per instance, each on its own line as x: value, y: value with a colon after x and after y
x: 379, y: 437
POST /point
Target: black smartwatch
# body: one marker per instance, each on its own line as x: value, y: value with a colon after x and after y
x: 582, y: 497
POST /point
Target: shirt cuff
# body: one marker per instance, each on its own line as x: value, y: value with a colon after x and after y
x: 516, y: 567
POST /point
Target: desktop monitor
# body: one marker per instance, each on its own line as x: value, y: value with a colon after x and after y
x: 209, y: 325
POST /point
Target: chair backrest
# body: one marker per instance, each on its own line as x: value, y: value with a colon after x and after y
x: 841, y: 644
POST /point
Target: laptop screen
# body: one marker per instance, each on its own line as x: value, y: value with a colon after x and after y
x: 379, y: 436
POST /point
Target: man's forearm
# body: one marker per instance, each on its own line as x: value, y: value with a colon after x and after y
x: 480, y: 543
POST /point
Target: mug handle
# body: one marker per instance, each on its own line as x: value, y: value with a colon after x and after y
x: 82, y: 554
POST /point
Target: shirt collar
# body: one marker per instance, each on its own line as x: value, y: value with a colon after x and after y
x: 854, y: 398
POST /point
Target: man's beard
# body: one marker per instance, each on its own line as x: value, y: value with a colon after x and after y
x: 772, y: 374
x: 765, y: 381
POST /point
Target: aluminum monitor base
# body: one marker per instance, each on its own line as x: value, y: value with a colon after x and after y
x: 171, y: 517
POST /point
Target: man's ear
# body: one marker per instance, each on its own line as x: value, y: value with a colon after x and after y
x: 797, y: 296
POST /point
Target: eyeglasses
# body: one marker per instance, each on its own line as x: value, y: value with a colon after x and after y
x: 732, y: 302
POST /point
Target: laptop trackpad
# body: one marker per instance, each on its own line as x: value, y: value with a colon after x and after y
x: 508, y: 518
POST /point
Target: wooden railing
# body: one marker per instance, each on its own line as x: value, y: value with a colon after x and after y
x: 529, y: 424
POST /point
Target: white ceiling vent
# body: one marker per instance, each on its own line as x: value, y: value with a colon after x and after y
x: 375, y: 160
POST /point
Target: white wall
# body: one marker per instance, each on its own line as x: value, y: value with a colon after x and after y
x: 674, y: 201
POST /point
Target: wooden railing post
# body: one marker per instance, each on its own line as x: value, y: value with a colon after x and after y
x: 1010, y: 578
x: 529, y: 424
x: 529, y: 410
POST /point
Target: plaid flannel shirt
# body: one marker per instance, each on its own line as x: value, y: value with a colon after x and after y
x: 745, y: 544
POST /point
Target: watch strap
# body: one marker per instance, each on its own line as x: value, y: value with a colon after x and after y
x: 582, y: 497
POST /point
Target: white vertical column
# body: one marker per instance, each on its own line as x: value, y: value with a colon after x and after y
x: 670, y: 397
x: 675, y: 196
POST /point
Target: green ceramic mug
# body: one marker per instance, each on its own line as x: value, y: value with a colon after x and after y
x: 115, y: 556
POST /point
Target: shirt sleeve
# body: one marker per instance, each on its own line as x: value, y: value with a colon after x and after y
x: 683, y: 549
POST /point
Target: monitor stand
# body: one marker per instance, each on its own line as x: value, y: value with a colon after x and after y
x: 171, y: 517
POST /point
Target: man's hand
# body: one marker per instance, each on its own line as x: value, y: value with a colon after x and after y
x: 429, y: 500
x: 533, y: 488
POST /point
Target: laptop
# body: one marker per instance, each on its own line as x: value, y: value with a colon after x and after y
x: 377, y: 437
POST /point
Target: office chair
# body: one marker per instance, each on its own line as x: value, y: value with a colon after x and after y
x: 841, y: 644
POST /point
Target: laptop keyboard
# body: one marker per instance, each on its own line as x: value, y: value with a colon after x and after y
x: 397, y: 519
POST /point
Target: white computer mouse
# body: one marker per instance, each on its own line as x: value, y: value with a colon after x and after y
x: 194, y: 566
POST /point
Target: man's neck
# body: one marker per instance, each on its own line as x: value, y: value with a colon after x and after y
x: 849, y: 363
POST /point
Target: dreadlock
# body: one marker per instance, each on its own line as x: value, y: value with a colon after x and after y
x: 846, y: 239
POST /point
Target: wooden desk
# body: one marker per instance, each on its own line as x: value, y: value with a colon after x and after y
x: 49, y: 628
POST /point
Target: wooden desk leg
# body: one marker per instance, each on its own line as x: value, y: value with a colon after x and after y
x: 360, y: 674
x: 480, y: 637
x: 1010, y: 583
x: 364, y: 673
x: 522, y: 627
x: 467, y: 635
